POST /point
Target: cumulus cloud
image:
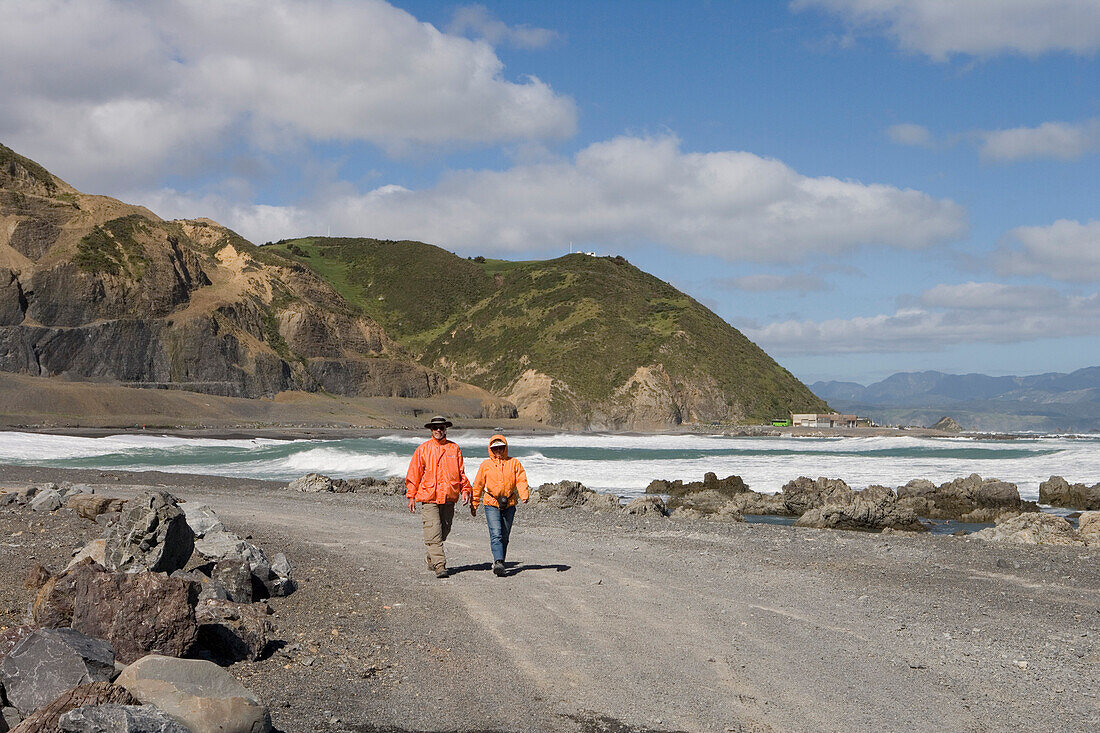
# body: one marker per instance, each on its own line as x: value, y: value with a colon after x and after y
x: 143, y: 83
x: 477, y: 21
x: 1058, y: 140
x: 910, y: 134
x: 629, y: 191
x: 946, y: 315
x: 940, y: 28
x: 1065, y: 250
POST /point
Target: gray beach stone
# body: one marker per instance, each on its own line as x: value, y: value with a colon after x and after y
x: 236, y: 577
x: 199, y: 694
x: 119, y: 719
x: 50, y: 661
x: 202, y: 520
x: 152, y: 534
x: 9, y: 718
x: 46, y: 501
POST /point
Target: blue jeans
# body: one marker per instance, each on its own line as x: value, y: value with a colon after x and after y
x: 500, y: 526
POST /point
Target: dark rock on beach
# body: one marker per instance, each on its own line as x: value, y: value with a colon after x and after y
x: 152, y: 534
x: 47, y: 719
x: 50, y: 661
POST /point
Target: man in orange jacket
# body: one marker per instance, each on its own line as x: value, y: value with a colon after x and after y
x: 436, y: 478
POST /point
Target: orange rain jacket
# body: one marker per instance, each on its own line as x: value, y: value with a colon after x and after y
x: 436, y: 473
x: 500, y: 479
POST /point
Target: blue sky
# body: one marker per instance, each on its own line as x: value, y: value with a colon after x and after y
x: 861, y: 186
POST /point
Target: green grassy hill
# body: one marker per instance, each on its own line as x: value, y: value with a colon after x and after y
x: 579, y: 340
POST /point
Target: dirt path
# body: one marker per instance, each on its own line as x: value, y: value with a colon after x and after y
x: 611, y: 622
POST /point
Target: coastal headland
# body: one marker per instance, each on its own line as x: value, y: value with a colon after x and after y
x: 610, y: 621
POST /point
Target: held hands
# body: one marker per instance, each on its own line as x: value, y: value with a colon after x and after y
x: 473, y: 510
x: 412, y: 504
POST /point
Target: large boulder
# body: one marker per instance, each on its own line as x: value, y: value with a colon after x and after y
x: 966, y: 499
x: 46, y: 501
x: 152, y: 534
x: 139, y: 613
x: 47, y: 719
x: 271, y: 577
x: 91, y: 506
x: 804, y: 493
x: 1032, y: 529
x: 1056, y: 491
x: 311, y: 483
x: 199, y: 694
x: 202, y: 520
x: 52, y: 607
x: 872, y: 510
x: 115, y: 718
x: 50, y: 661
x: 236, y: 577
x: 230, y: 632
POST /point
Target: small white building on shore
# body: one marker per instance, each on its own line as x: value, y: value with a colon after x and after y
x: 824, y: 420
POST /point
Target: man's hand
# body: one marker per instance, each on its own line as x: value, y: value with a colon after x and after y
x: 465, y: 498
x: 412, y: 504
x: 473, y: 510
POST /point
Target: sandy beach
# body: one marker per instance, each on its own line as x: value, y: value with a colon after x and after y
x: 614, y: 622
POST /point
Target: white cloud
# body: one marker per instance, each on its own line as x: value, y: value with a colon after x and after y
x: 940, y: 28
x: 910, y: 134
x: 476, y: 20
x: 958, y: 314
x: 771, y: 283
x: 630, y: 191
x: 1065, y: 250
x: 143, y: 83
x: 1059, y: 140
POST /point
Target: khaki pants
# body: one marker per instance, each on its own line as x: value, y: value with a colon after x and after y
x: 437, y: 519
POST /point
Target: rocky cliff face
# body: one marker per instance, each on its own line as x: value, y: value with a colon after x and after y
x: 95, y: 289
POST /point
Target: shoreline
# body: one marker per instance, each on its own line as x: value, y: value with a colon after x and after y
x: 936, y: 632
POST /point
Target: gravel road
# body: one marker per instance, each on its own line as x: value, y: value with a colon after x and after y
x: 616, y: 623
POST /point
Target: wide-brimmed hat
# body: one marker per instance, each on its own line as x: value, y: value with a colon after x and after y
x: 438, y: 422
x: 499, y: 443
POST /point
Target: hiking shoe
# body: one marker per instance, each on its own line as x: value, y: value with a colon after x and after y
x: 498, y: 568
x: 442, y: 573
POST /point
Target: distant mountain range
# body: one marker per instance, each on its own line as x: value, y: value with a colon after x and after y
x: 1052, y: 402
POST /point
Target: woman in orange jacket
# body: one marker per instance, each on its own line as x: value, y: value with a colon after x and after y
x: 499, y: 483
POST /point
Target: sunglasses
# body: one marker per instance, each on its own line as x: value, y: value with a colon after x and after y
x: 438, y: 427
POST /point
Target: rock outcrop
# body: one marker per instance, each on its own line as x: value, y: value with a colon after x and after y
x: 872, y: 510
x: 1056, y: 491
x: 969, y: 499
x: 803, y: 494
x: 1032, y: 529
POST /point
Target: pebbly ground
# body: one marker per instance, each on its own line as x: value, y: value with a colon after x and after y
x: 617, y: 623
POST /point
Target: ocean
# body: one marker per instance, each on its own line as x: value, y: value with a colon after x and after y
x: 620, y: 464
